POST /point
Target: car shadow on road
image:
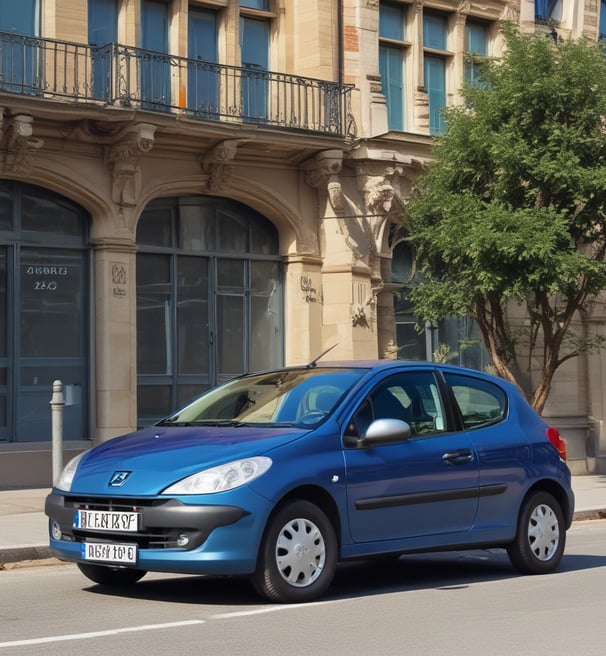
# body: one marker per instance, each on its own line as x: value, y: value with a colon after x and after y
x: 361, y: 578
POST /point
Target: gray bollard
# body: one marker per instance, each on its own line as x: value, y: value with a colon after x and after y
x: 57, y: 403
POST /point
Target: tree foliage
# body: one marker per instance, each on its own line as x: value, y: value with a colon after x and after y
x: 513, y: 208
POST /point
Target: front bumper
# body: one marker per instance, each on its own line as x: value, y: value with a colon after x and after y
x: 221, y: 539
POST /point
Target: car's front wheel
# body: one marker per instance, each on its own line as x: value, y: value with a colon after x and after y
x: 111, y: 576
x: 541, y: 535
x: 298, y: 554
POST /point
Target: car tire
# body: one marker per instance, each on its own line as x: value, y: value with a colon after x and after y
x: 298, y: 555
x: 111, y: 576
x: 541, y: 535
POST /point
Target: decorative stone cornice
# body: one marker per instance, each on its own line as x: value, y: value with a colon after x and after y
x: 217, y: 163
x: 20, y: 142
x: 123, y: 159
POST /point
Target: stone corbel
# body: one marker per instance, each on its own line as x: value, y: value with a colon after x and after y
x: 377, y: 184
x: 123, y: 159
x: 323, y: 172
x: 463, y: 9
x: 217, y: 163
x: 21, y: 145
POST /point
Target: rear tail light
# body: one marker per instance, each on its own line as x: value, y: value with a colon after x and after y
x: 553, y: 435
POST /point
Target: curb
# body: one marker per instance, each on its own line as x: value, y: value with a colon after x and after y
x: 17, y: 554
x: 582, y: 515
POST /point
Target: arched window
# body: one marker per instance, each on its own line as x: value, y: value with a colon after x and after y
x: 209, y: 299
x: 44, y: 312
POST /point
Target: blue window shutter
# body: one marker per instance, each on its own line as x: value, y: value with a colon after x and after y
x: 435, y: 84
x: 102, y: 22
x: 392, y: 81
x: 19, y: 17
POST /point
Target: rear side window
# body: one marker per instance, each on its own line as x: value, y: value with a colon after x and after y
x: 480, y: 402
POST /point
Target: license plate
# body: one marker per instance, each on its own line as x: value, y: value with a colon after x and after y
x: 110, y: 552
x: 105, y: 520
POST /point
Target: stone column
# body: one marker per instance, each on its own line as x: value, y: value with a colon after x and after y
x: 303, y: 309
x: 347, y: 317
x: 114, y: 243
x: 115, y: 337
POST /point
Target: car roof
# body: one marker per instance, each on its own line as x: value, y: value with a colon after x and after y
x: 376, y: 364
x: 384, y: 365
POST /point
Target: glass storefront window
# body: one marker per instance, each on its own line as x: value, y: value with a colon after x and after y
x: 156, y: 230
x: 6, y: 207
x: 44, y: 318
x: 265, y: 314
x: 197, y: 228
x: 192, y: 314
x: 50, y: 301
x: 3, y: 304
x: 154, y: 288
x: 209, y: 299
x: 230, y: 325
x: 41, y: 214
x: 232, y: 233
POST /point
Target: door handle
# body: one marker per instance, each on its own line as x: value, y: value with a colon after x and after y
x: 458, y: 457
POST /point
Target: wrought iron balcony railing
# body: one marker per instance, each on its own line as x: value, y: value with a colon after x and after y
x: 124, y: 76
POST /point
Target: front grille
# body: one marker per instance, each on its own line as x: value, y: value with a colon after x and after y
x: 124, y: 504
x: 149, y: 537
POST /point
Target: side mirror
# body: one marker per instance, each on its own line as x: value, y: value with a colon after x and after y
x: 380, y: 431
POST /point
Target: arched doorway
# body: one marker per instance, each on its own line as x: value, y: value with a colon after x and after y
x: 209, y: 299
x: 44, y: 312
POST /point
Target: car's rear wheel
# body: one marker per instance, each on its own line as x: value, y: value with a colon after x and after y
x: 298, y: 554
x: 114, y: 576
x: 541, y: 535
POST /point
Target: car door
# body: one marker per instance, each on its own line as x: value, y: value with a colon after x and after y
x: 425, y: 485
x: 501, y: 445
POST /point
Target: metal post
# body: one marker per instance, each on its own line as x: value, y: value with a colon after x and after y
x: 57, y: 403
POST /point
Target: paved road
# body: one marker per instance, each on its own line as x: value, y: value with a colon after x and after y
x: 435, y: 605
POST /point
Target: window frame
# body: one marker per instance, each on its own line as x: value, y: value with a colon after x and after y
x: 396, y: 110
x: 457, y: 380
x: 432, y: 53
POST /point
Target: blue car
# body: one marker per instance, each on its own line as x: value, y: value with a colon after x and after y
x: 280, y: 475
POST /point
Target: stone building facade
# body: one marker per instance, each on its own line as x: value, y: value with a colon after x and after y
x: 192, y: 189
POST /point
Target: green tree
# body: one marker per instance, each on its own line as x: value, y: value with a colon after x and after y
x: 512, y: 210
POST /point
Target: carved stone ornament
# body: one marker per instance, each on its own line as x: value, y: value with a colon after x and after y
x: 123, y: 159
x: 323, y: 172
x: 217, y: 163
x: 20, y: 142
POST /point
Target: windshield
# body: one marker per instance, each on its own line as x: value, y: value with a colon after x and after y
x: 295, y: 397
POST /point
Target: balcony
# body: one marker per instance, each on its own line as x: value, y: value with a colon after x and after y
x: 124, y: 76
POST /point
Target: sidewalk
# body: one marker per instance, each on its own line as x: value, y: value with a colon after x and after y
x: 24, y: 533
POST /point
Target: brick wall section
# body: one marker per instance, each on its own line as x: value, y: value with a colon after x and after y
x: 351, y: 39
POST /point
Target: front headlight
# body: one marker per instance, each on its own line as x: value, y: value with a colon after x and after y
x: 64, y: 482
x: 222, y: 478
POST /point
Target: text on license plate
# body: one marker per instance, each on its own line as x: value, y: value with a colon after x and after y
x: 106, y: 520
x: 109, y: 553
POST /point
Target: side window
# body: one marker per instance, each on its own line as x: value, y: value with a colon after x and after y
x: 412, y: 397
x: 480, y: 402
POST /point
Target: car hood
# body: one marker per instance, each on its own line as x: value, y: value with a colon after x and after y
x: 159, y: 456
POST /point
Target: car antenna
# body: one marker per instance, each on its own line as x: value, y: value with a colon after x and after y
x: 314, y: 362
